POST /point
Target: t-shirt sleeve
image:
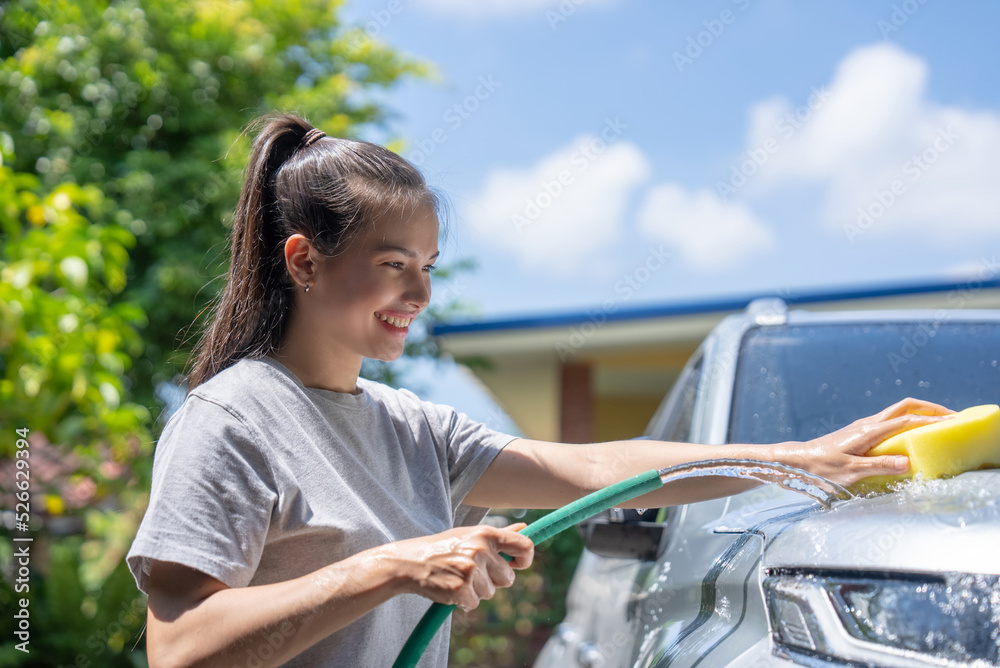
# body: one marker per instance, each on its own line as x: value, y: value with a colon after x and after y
x: 211, y: 499
x: 470, y: 447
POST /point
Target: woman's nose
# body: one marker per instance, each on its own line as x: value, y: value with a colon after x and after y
x: 418, y: 291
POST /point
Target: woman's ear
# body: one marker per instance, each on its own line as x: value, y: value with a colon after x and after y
x: 299, y: 259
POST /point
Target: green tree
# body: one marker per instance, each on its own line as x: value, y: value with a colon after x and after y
x: 65, y: 354
x: 147, y: 101
x: 65, y: 348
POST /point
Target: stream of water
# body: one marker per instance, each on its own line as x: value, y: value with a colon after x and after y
x: 821, y: 490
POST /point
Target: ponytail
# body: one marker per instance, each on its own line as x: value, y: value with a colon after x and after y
x: 298, y: 181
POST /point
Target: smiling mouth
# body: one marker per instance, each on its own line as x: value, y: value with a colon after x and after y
x: 399, y: 323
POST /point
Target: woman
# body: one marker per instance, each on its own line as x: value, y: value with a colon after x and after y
x: 303, y: 516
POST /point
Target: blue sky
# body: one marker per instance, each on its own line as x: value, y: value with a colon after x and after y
x: 748, y: 145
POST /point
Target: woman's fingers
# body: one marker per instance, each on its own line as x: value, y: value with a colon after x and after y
x: 881, y: 431
x: 466, y: 565
x: 909, y: 405
x: 884, y: 465
x: 516, y: 545
x: 859, y: 437
x: 483, y: 584
x: 900, y: 417
x: 492, y: 570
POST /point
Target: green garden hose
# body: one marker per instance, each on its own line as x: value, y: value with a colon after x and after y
x: 816, y: 488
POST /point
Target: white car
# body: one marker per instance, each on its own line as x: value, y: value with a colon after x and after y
x: 770, y: 577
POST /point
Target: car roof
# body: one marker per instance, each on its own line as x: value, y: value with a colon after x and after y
x: 772, y: 311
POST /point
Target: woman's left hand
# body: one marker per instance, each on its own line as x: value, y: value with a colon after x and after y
x: 840, y: 455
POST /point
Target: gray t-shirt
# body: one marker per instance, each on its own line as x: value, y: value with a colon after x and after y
x: 259, y: 479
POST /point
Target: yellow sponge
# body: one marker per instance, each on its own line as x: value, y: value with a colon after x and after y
x: 966, y: 441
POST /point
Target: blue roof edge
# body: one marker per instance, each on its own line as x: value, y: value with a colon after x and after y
x: 700, y: 306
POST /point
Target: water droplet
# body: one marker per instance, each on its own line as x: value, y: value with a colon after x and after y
x: 899, y: 382
x: 868, y: 393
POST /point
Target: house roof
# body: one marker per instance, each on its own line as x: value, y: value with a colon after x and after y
x: 708, y: 306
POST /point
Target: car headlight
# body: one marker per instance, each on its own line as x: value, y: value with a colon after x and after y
x: 886, y: 619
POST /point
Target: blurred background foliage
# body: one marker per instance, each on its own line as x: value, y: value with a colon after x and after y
x: 121, y: 152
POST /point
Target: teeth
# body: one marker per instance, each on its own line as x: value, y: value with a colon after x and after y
x: 394, y: 321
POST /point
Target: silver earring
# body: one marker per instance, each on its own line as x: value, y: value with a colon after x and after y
x: 307, y: 286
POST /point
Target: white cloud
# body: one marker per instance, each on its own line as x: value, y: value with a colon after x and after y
x: 708, y: 233
x: 559, y: 213
x: 479, y: 9
x: 890, y: 160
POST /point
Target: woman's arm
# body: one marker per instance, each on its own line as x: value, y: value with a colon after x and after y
x: 537, y: 474
x: 196, y: 620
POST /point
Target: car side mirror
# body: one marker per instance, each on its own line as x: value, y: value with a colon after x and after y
x: 625, y: 534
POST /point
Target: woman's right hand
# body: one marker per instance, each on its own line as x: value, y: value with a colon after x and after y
x: 463, y: 566
x: 840, y: 456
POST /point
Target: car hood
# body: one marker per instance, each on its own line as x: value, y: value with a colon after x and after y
x: 950, y: 525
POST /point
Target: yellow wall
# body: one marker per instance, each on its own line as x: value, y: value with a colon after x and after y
x: 528, y: 391
x: 618, y: 418
x: 628, y: 387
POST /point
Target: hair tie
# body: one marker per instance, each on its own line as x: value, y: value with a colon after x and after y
x: 311, y: 137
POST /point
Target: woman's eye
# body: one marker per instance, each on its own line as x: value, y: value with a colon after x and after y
x: 395, y: 265
x: 430, y: 268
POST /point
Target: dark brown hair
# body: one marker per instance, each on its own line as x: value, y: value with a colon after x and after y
x: 326, y: 190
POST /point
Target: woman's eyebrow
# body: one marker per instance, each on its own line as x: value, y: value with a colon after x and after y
x: 402, y: 251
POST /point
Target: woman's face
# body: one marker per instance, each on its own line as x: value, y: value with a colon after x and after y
x: 365, y: 298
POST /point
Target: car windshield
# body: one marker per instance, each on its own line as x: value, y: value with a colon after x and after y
x: 796, y: 382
